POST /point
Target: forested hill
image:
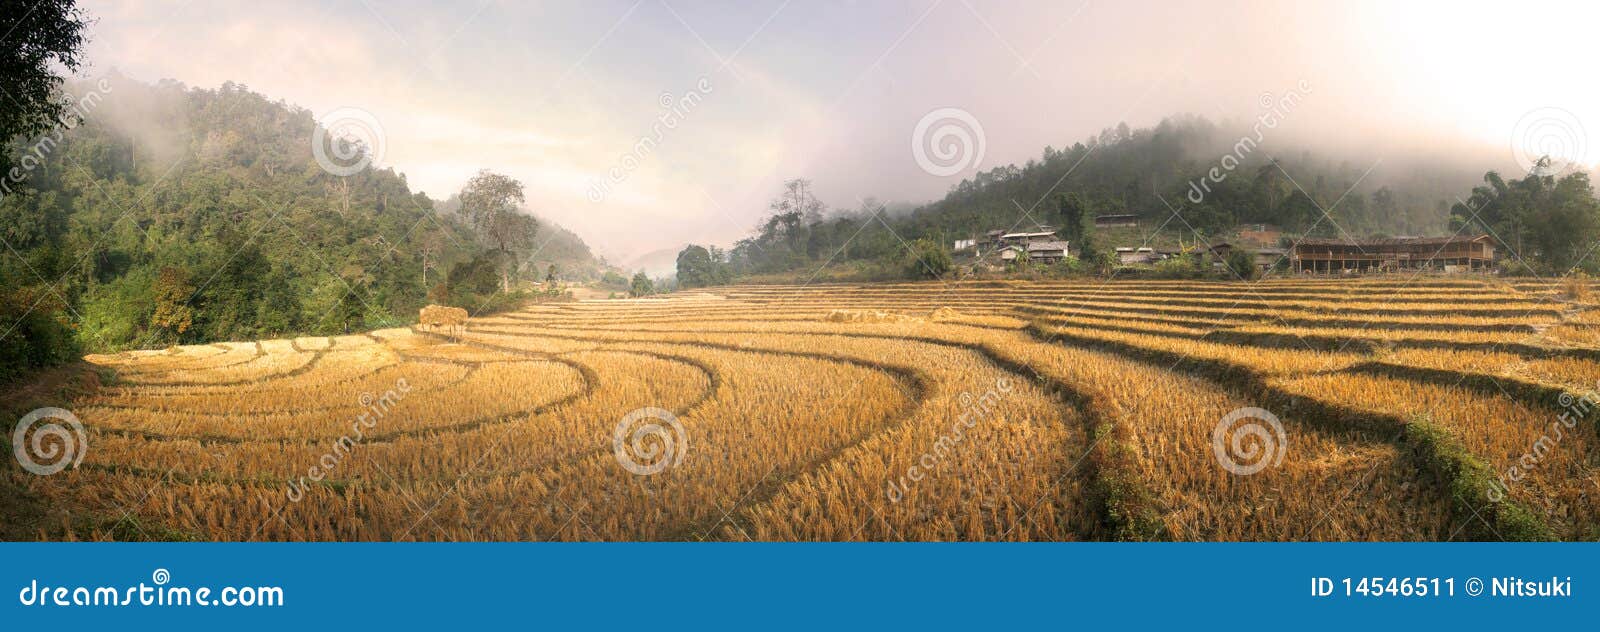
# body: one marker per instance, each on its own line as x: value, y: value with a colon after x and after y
x: 1270, y: 178
x: 1142, y: 171
x: 174, y: 214
x: 554, y: 244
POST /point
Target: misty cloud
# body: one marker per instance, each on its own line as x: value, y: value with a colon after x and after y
x: 832, y: 90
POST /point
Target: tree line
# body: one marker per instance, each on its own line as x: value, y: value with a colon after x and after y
x: 1162, y: 175
x: 218, y: 224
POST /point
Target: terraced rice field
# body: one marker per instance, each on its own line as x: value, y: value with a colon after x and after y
x: 1424, y: 410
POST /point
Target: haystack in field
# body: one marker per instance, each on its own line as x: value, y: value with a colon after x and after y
x: 868, y: 316
x: 436, y: 316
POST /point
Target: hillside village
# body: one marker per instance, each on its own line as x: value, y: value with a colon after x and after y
x: 1274, y: 252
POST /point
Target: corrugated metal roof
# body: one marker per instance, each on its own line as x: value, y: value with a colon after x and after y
x: 1395, y: 241
x: 1020, y: 235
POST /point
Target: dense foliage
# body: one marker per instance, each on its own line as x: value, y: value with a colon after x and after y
x: 927, y: 258
x: 1195, y: 179
x: 40, y: 37
x: 1241, y: 263
x: 43, y: 38
x: 1546, y: 222
x: 218, y: 226
x: 180, y: 215
x: 701, y: 267
x: 641, y: 285
x: 1153, y: 172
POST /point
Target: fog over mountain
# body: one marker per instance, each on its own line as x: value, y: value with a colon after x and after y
x: 642, y: 126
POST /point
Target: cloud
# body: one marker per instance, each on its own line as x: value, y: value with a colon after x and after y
x: 558, y: 94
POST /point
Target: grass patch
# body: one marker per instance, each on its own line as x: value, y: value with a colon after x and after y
x: 1127, y: 505
x: 1466, y: 477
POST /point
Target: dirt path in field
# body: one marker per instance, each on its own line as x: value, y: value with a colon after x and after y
x: 26, y: 517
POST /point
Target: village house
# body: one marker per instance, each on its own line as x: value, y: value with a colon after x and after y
x: 1219, y: 251
x: 1042, y: 251
x: 1048, y: 251
x: 1461, y: 253
x: 1039, y: 245
x: 1024, y: 238
x: 1128, y: 255
x: 1268, y: 257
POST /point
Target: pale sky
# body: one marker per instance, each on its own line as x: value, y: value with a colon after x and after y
x: 558, y: 94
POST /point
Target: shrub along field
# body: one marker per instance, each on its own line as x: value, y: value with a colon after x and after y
x: 1422, y: 409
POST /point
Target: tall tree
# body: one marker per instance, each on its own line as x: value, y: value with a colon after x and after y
x: 39, y: 36
x: 641, y: 285
x: 794, y: 213
x: 1548, y: 222
x: 695, y: 268
x: 928, y: 258
x: 492, y: 202
x: 173, y: 291
x: 430, y: 245
x: 1074, y: 212
x: 798, y: 198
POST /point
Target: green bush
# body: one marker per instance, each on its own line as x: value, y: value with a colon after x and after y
x: 41, y: 335
x: 641, y: 286
x: 928, y: 259
x: 1242, y: 264
x: 1516, y: 268
x: 1472, y: 484
x: 1070, y: 266
x: 1179, y: 267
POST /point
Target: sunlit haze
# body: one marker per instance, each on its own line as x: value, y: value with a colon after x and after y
x: 559, y: 96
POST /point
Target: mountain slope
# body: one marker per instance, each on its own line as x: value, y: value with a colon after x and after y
x: 173, y: 214
x: 1210, y: 175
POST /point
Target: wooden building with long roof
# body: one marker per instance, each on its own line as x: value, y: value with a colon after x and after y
x: 1460, y: 253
